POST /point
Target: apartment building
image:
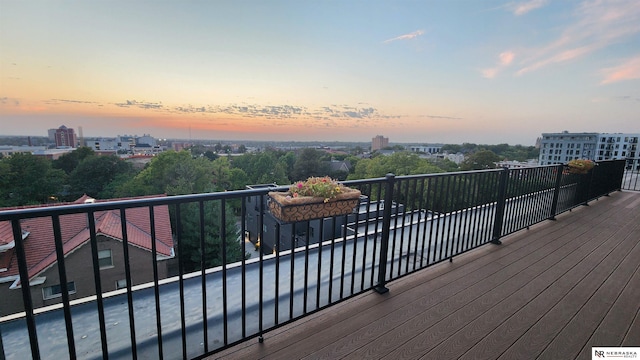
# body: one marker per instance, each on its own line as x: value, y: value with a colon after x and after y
x: 65, y: 137
x: 379, y: 142
x: 559, y: 148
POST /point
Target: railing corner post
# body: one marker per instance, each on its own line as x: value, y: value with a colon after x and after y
x: 556, y: 191
x: 500, y: 206
x: 384, y: 242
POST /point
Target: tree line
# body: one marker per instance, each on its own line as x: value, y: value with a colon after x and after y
x: 26, y: 179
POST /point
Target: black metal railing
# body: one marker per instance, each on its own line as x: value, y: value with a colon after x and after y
x: 218, y: 298
x: 631, y: 178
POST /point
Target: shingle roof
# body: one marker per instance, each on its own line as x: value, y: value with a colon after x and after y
x: 40, y: 247
x: 6, y: 234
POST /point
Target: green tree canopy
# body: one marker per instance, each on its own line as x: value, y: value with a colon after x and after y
x: 480, y: 160
x: 174, y: 173
x: 400, y: 163
x: 309, y: 163
x: 190, y: 241
x: 27, y: 179
x: 69, y: 161
x: 94, y: 173
x: 262, y: 168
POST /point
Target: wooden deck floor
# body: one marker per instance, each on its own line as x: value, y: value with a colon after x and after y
x: 551, y: 292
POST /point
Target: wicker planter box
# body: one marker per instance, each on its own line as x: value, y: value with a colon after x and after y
x: 578, y: 170
x: 579, y: 166
x: 288, y: 209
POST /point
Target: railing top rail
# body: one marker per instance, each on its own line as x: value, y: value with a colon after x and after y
x: 44, y: 210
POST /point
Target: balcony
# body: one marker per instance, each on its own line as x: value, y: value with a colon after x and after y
x: 551, y: 292
x: 442, y: 284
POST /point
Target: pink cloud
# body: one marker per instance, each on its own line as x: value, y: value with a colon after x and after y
x: 559, y: 58
x: 596, y: 26
x: 628, y: 70
x: 489, y: 73
x: 506, y: 57
x: 523, y: 8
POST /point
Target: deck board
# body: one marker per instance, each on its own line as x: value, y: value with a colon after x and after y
x: 553, y: 291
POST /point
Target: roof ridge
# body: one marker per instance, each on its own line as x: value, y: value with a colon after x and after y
x: 76, y: 202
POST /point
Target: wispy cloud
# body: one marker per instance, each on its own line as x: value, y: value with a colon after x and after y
x: 522, y: 8
x: 9, y: 101
x: 504, y: 59
x: 275, y: 114
x: 628, y: 70
x: 140, y: 104
x: 53, y: 101
x: 597, y: 25
x: 443, y: 117
x: 409, y: 36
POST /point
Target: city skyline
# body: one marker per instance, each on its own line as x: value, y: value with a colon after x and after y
x: 429, y: 72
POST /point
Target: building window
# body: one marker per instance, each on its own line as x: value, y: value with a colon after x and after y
x: 104, y: 259
x: 121, y: 284
x: 51, y: 292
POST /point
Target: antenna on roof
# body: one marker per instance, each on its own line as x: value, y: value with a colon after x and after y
x: 81, y: 140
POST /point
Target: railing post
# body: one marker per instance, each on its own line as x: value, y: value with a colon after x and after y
x: 502, y: 199
x: 556, y: 191
x: 23, y: 269
x: 384, y: 243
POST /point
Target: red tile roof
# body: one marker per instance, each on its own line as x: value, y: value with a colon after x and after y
x: 40, y: 247
x: 6, y: 234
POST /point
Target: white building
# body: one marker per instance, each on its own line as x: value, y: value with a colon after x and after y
x: 427, y: 149
x: 103, y: 144
x: 560, y: 148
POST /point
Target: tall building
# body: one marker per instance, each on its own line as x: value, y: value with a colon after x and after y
x: 379, y: 142
x: 559, y: 148
x: 65, y: 137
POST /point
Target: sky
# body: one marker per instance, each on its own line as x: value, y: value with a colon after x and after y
x: 454, y: 71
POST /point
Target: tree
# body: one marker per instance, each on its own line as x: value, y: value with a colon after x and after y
x: 190, y: 241
x: 178, y: 173
x: 27, y: 179
x: 94, y: 173
x: 288, y: 160
x: 445, y: 164
x: 262, y: 168
x: 210, y: 155
x: 400, y: 163
x: 480, y: 160
x: 69, y: 161
x: 309, y: 163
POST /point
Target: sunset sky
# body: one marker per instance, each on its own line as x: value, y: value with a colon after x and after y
x: 414, y: 71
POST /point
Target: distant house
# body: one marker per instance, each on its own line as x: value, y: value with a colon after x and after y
x: 38, y: 239
x: 339, y: 169
x: 335, y: 165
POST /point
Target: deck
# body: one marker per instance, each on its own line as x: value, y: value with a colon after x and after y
x: 551, y: 292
